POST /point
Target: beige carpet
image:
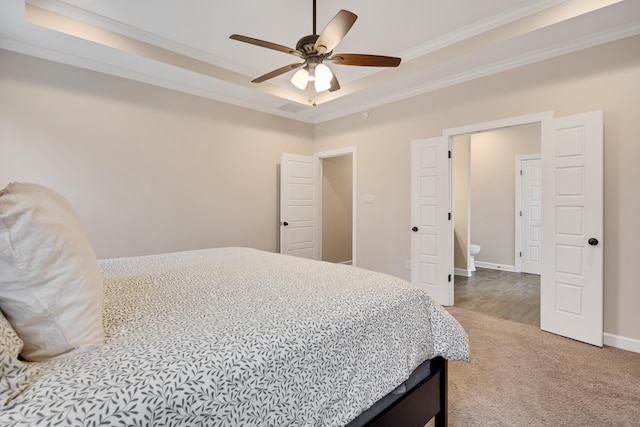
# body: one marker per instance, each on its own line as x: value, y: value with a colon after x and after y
x: 521, y: 376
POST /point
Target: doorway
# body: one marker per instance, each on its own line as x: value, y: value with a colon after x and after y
x: 301, y: 202
x: 486, y: 214
x: 486, y: 196
x: 337, y: 199
x: 571, y: 287
x: 337, y: 209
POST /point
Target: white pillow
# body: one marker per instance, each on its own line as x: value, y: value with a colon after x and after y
x: 14, y: 375
x: 50, y: 283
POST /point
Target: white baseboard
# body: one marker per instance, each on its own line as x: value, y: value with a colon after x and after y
x: 493, y: 266
x: 623, y: 343
x: 346, y: 262
x: 462, y: 272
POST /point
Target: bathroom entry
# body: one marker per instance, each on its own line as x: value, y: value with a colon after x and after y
x: 572, y: 204
x: 485, y: 195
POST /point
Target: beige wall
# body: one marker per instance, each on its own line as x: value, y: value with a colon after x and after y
x: 606, y: 77
x: 149, y: 170
x: 493, y: 186
x: 337, y: 208
x: 461, y: 166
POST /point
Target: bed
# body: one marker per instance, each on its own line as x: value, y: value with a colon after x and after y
x: 239, y: 336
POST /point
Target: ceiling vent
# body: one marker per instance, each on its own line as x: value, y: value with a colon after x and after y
x: 293, y: 107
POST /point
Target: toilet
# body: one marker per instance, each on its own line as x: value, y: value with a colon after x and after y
x: 473, y: 251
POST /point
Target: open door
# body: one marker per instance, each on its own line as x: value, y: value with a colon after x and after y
x: 571, y: 291
x: 431, y: 232
x: 298, y: 206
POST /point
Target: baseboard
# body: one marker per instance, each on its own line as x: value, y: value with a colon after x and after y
x: 462, y: 272
x: 346, y: 262
x: 623, y: 343
x: 493, y: 266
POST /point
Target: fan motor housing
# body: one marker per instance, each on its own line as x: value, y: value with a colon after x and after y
x: 306, y: 45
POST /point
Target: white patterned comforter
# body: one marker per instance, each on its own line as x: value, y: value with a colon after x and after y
x: 240, y: 337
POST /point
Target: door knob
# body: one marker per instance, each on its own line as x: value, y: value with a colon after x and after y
x: 285, y: 223
x: 593, y: 242
x: 414, y: 229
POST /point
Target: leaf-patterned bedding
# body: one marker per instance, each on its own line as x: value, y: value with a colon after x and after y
x: 238, y: 336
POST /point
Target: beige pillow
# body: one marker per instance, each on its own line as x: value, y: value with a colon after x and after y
x: 50, y: 283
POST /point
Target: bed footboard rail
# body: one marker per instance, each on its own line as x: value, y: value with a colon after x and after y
x: 426, y: 400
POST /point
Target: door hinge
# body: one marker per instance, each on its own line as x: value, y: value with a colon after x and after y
x: 520, y: 213
x: 449, y: 216
x: 449, y: 154
x: 520, y: 254
x: 449, y: 278
x: 520, y: 172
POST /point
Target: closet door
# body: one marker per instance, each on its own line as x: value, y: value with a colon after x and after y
x: 298, y: 206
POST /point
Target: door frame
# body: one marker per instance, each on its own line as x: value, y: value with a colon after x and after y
x: 451, y: 133
x: 580, y: 129
x: 346, y: 151
x: 518, y: 208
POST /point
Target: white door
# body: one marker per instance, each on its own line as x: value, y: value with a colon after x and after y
x: 298, y: 206
x: 431, y: 233
x: 572, y: 247
x: 531, y: 215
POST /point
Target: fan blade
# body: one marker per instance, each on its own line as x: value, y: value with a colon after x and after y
x: 365, y: 60
x: 334, y: 84
x: 277, y: 72
x: 335, y: 31
x: 266, y: 44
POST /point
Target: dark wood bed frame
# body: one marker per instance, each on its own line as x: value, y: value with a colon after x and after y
x: 426, y: 400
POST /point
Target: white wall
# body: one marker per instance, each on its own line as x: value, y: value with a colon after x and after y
x: 606, y: 77
x: 149, y: 170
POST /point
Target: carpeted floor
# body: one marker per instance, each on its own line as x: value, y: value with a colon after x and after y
x: 521, y: 376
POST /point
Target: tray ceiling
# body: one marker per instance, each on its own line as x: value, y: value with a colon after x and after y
x: 185, y: 46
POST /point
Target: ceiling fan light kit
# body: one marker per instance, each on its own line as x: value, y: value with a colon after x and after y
x: 318, y: 73
x: 301, y: 78
x: 314, y: 49
x: 323, y: 78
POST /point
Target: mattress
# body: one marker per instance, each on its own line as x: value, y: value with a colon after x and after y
x: 238, y: 336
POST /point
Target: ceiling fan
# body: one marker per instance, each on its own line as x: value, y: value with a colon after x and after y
x: 315, y: 49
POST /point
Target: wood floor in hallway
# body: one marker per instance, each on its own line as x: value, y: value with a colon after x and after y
x: 503, y: 294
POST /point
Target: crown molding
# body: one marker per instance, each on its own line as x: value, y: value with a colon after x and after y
x: 480, y: 27
x: 511, y: 63
x: 126, y: 73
